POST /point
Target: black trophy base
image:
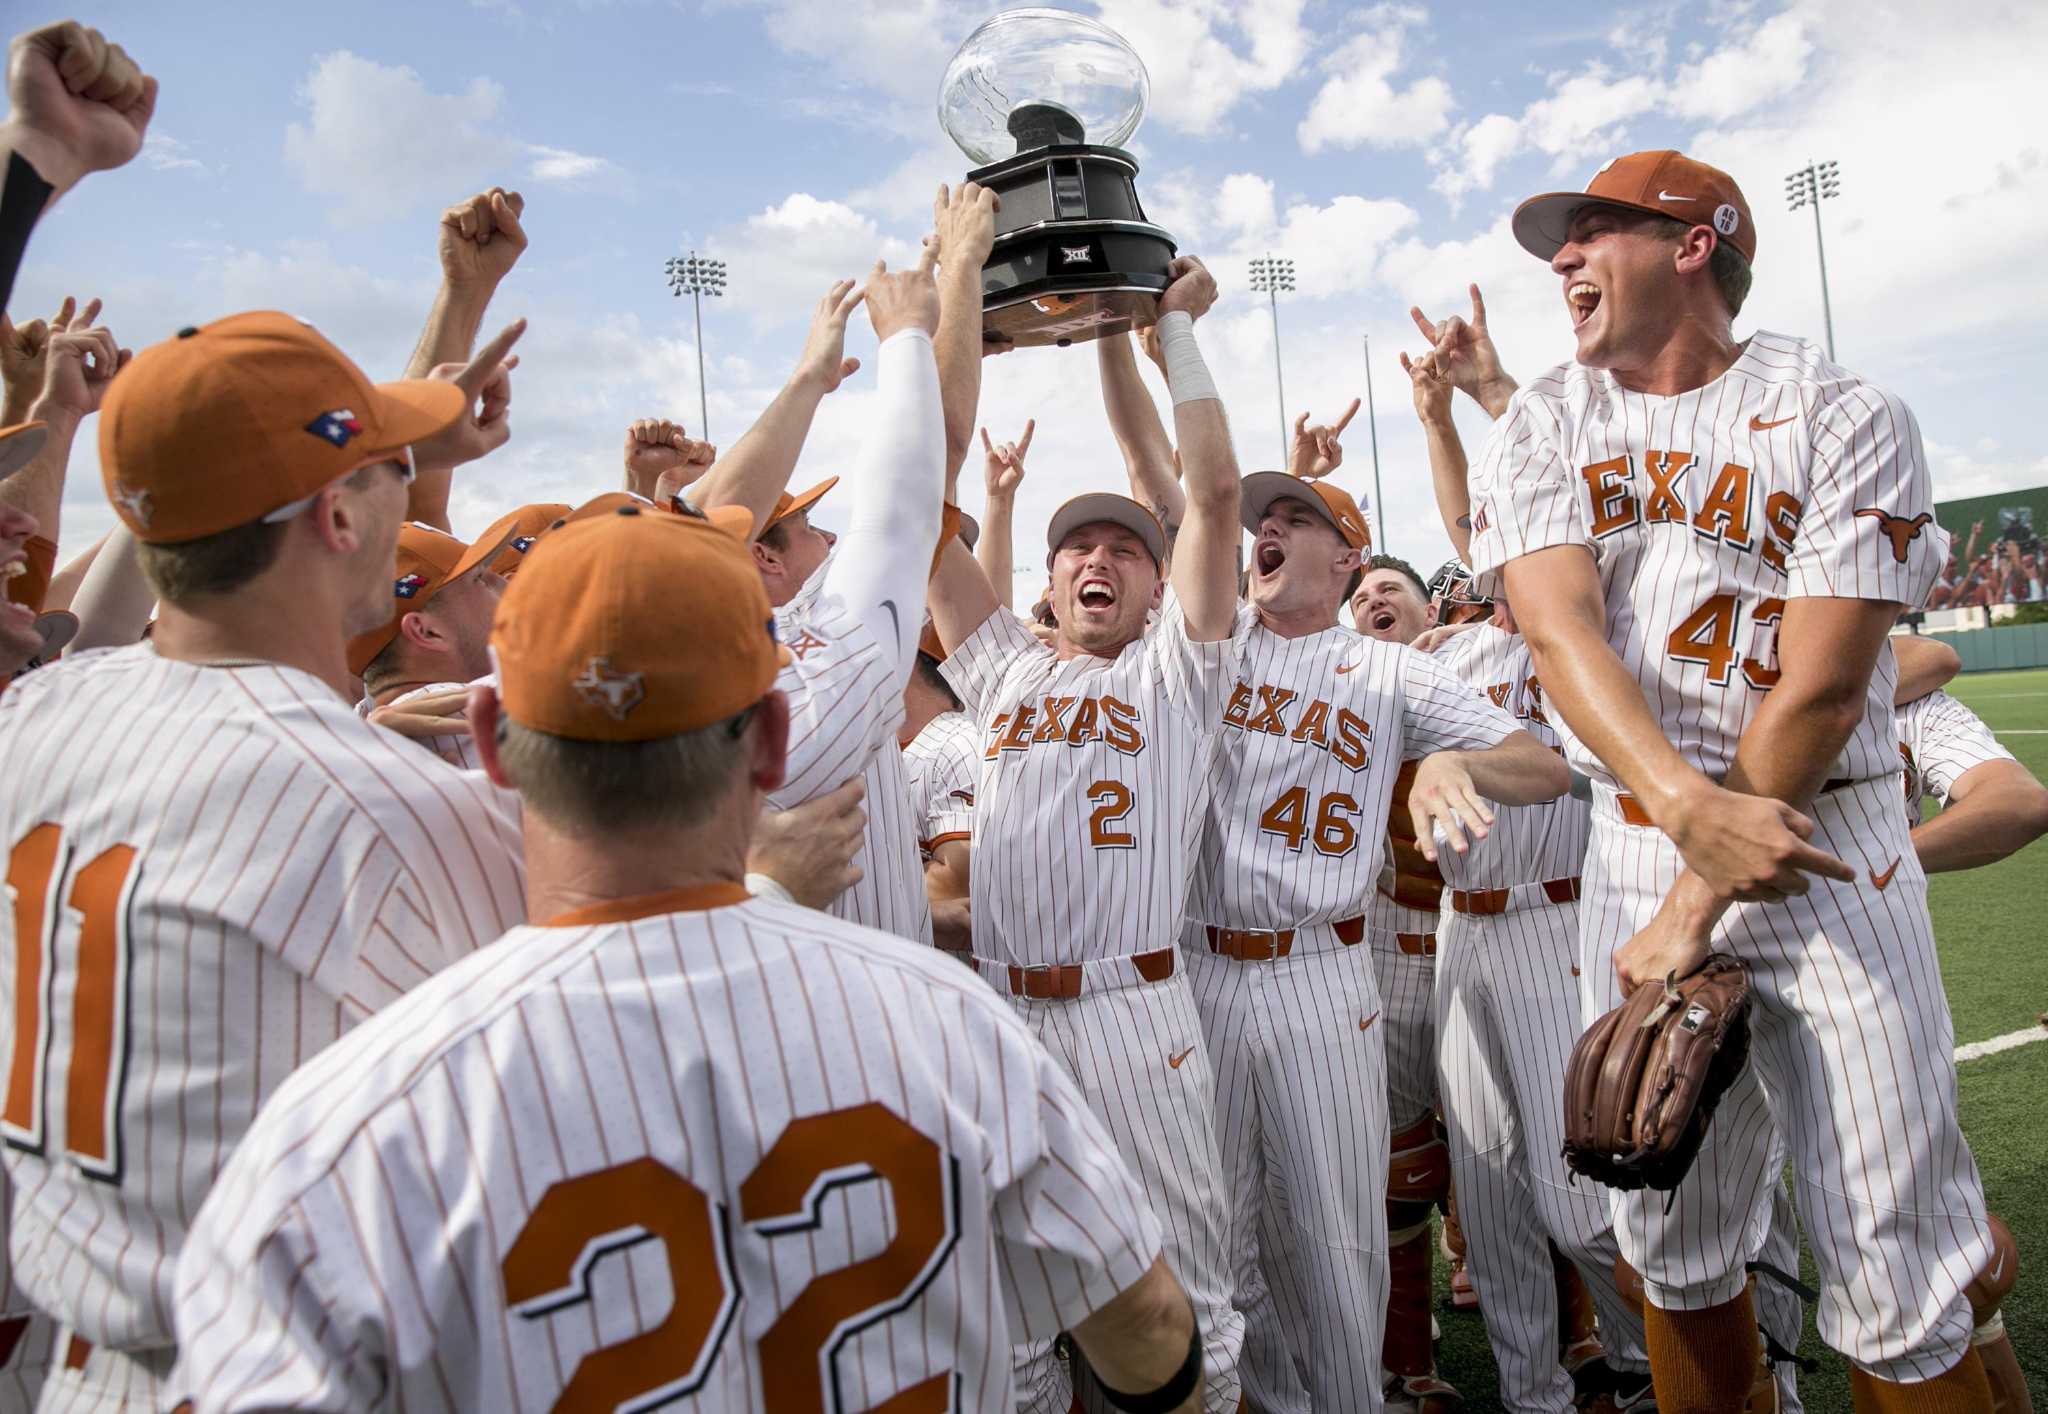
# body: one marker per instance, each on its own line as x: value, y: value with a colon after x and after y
x: 1074, y: 257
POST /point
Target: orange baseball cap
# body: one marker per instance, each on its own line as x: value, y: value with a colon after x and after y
x: 1095, y: 506
x: 787, y: 505
x: 221, y: 425
x: 429, y: 560
x: 1663, y: 183
x: 580, y: 656
x: 19, y: 444
x: 1261, y: 489
x: 733, y: 520
x: 528, y: 524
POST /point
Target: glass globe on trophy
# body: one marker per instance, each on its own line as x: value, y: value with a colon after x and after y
x: 1041, y: 98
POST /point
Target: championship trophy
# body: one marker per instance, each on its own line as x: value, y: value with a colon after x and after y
x: 1074, y: 257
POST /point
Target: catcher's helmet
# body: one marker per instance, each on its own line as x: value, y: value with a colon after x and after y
x: 1451, y: 590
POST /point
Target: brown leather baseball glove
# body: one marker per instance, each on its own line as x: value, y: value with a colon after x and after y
x: 1644, y: 1079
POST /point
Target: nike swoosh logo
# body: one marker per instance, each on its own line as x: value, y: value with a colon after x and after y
x: 1884, y: 880
x: 1673, y: 196
x: 1175, y: 1061
x: 1417, y: 1177
x: 895, y: 623
x: 1345, y: 668
x: 1992, y: 1275
x: 1366, y: 1025
x: 1757, y: 424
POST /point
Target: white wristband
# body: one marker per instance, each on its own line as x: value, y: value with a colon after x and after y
x: 1187, y: 376
x: 765, y: 886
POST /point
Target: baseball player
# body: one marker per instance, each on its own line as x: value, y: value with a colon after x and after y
x: 1320, y: 721
x: 1706, y: 542
x: 1096, y: 760
x: 942, y: 759
x: 1393, y: 605
x: 240, y: 867
x: 672, y: 1144
x: 438, y: 637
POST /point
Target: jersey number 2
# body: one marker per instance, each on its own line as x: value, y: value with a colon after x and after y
x: 98, y: 990
x: 580, y: 1220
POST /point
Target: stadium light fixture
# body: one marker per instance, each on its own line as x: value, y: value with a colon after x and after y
x: 1809, y: 186
x: 697, y: 276
x: 1271, y: 275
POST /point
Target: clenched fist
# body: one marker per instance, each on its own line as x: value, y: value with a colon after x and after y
x: 80, y: 104
x: 661, y: 458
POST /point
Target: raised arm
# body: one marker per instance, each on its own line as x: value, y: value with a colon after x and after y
x: 1005, y: 472
x: 115, y: 599
x: 1448, y: 469
x: 897, y: 482
x: 79, y: 365
x: 77, y: 104
x: 963, y: 233
x: 661, y: 458
x: 1204, y: 569
x: 485, y: 425
x: 1140, y: 435
x: 1463, y: 353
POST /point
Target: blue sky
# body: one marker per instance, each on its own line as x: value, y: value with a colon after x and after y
x: 300, y: 158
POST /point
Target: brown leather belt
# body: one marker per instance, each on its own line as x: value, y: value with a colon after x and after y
x: 1632, y: 812
x: 76, y: 1352
x: 1416, y: 944
x: 1496, y: 900
x: 1265, y: 944
x: 1063, y: 983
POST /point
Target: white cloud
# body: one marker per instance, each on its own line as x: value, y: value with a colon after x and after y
x: 797, y: 248
x: 1358, y: 104
x: 1206, y: 57
x: 1769, y: 62
x: 555, y: 164
x: 165, y: 153
x: 1483, y: 146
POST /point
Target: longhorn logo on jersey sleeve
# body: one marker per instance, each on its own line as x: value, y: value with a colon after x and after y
x: 616, y: 693
x: 1900, y: 531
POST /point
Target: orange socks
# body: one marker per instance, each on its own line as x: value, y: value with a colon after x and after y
x: 1703, y: 1362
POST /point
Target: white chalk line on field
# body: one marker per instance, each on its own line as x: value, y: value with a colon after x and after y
x: 2011, y: 1040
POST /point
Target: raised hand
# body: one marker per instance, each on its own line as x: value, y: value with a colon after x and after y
x: 23, y: 352
x: 1317, y: 450
x: 907, y: 299
x: 659, y: 452
x: 1432, y: 390
x: 1192, y: 288
x: 1465, y: 355
x: 80, y: 104
x: 823, y: 361
x: 486, y: 421
x: 79, y: 366
x: 1005, y: 464
x: 481, y: 238
x: 963, y: 227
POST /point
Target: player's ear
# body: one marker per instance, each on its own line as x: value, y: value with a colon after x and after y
x: 483, y: 726
x: 1696, y: 250
x: 418, y: 629
x: 765, y: 558
x: 769, y: 762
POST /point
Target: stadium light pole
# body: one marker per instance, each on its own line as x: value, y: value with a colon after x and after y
x: 697, y: 276
x: 1270, y: 275
x: 1809, y: 186
x: 1372, y: 422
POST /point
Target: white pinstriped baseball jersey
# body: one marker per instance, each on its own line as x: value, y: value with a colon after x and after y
x: 1786, y: 477
x: 1941, y: 739
x: 944, y: 764
x: 690, y: 1147
x: 1317, y: 729
x: 1094, y: 780
x: 215, y: 871
x: 457, y: 748
x: 845, y: 706
x: 1527, y: 844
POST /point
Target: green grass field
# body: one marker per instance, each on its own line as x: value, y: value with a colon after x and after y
x: 1991, y: 925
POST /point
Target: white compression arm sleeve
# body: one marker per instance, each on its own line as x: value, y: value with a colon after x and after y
x: 895, y: 490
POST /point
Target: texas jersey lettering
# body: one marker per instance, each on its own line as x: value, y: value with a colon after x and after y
x: 1784, y: 478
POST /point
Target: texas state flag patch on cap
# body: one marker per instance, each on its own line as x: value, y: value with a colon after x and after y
x: 409, y: 585
x: 336, y: 427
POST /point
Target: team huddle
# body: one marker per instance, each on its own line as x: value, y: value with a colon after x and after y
x: 659, y: 953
